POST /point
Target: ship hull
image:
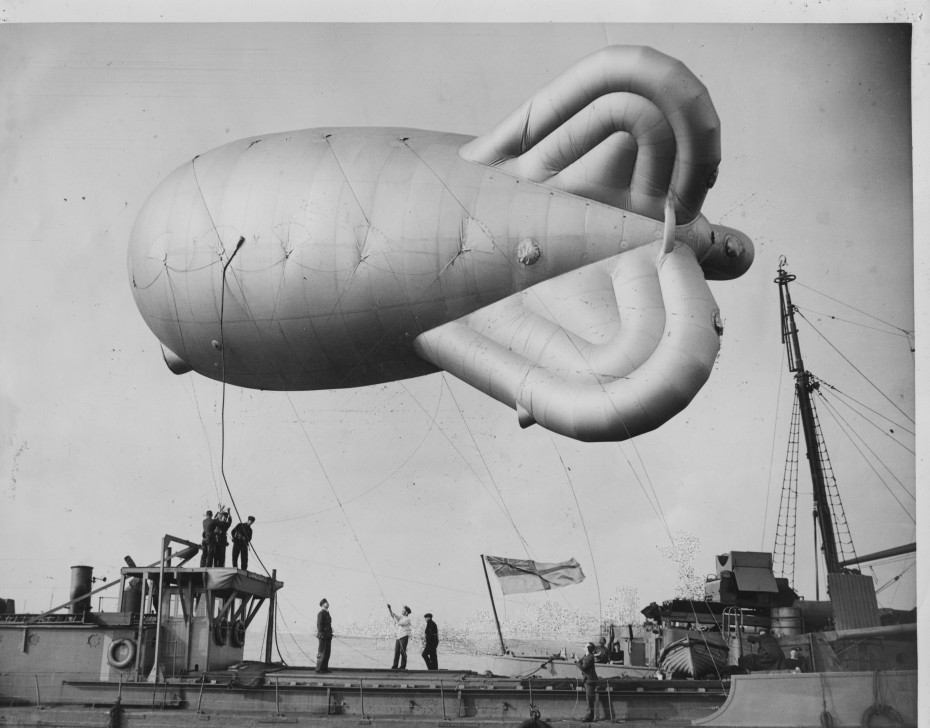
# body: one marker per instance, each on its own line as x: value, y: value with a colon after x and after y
x: 368, y: 697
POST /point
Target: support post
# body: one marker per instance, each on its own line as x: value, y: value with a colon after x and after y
x: 158, y: 604
x: 141, y: 634
x: 271, y: 616
x: 493, y: 606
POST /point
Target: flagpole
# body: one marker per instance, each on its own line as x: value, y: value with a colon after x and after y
x: 493, y: 607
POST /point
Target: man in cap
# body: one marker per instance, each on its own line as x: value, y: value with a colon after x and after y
x: 324, y: 633
x: 221, y: 525
x: 430, y: 643
x: 769, y: 656
x: 402, y: 631
x: 241, y: 538
x: 207, y: 540
x: 586, y: 665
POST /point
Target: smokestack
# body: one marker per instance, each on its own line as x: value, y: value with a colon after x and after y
x: 81, y: 579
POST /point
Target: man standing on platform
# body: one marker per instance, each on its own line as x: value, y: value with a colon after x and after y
x: 241, y: 538
x: 324, y: 633
x: 586, y: 665
x: 403, y: 636
x: 430, y: 643
x: 207, y: 540
x: 221, y: 523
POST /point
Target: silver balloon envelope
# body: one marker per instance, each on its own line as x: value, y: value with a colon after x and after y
x: 557, y: 263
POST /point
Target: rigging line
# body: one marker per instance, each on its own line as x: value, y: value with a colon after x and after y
x: 223, y: 374
x: 288, y: 632
x: 846, y: 431
x: 277, y: 613
x: 251, y: 317
x: 150, y: 283
x: 261, y: 651
x: 439, y: 428
x: 188, y: 269
x: 332, y: 488
x: 223, y: 412
x: 873, y: 424
x: 381, y: 482
x: 370, y: 227
x: 837, y: 416
x: 203, y: 428
x: 177, y: 315
x: 290, y: 401
x: 864, y: 313
x: 656, y: 506
x: 357, y: 651
x: 895, y: 579
x: 768, y: 487
x: 502, y: 505
x: 222, y: 343
x: 890, y: 401
x: 206, y: 207
x: 597, y: 583
x: 875, y: 412
x: 384, y: 576
x: 892, y: 560
x: 899, y: 332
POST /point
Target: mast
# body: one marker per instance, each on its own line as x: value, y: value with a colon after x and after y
x: 493, y: 606
x: 804, y: 385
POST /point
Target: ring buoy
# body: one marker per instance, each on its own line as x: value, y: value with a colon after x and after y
x: 237, y: 633
x: 220, y: 631
x: 121, y: 653
x: 886, y: 713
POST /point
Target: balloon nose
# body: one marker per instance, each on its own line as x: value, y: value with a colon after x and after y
x: 733, y: 257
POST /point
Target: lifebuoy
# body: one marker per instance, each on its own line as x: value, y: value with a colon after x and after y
x: 886, y: 713
x: 121, y: 653
x: 220, y: 631
x: 237, y: 633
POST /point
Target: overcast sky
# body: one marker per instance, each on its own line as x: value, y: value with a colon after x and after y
x: 391, y: 493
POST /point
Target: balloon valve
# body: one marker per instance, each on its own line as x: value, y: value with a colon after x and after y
x: 524, y: 417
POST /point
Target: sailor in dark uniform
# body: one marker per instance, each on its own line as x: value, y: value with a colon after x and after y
x: 430, y: 643
x: 222, y: 522
x: 324, y: 633
x: 769, y: 656
x: 241, y: 538
x: 206, y: 544
x: 586, y: 665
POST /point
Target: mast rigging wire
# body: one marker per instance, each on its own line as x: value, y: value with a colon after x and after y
x: 846, y: 431
x: 906, y: 332
x: 874, y: 386
x: 775, y: 425
x: 841, y: 393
